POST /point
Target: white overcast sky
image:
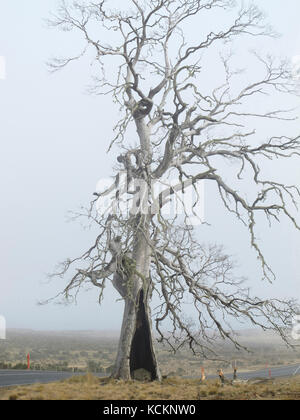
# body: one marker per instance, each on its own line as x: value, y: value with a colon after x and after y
x: 53, y: 140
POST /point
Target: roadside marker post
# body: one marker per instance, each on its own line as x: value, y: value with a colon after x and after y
x: 234, y: 367
x: 28, y: 361
x: 203, y: 377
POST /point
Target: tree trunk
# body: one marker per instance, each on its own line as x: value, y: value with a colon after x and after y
x: 136, y: 348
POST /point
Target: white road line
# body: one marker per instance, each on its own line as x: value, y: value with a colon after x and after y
x: 296, y: 371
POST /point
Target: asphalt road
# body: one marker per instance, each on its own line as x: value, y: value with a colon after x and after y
x: 276, y: 372
x: 23, y: 377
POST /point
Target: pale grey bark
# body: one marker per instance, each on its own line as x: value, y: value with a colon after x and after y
x: 140, y: 283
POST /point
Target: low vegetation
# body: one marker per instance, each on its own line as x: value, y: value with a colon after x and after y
x: 95, y: 352
x: 89, y: 387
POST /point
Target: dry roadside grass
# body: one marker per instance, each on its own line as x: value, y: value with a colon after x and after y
x: 89, y: 387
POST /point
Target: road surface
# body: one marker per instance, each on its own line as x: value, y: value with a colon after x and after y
x: 276, y: 372
x: 23, y: 377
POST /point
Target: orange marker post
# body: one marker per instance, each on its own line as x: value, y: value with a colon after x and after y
x: 28, y: 361
x: 202, y: 374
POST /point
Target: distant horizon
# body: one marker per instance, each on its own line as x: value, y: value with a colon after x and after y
x: 253, y: 329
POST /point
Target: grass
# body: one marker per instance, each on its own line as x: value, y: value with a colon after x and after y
x: 89, y: 387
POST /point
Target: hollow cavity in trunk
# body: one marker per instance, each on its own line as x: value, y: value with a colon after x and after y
x: 141, y: 355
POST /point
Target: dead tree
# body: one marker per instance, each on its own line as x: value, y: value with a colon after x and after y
x: 185, y: 129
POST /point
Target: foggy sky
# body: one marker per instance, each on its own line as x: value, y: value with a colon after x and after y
x: 54, y: 138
